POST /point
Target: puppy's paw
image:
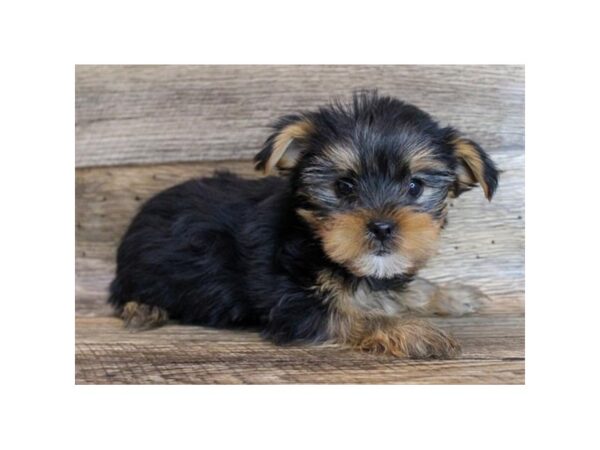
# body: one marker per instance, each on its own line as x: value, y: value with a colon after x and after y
x: 458, y: 300
x: 139, y: 316
x: 415, y: 339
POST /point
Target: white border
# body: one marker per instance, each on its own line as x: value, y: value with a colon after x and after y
x: 42, y: 41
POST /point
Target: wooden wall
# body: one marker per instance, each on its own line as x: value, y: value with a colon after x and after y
x: 140, y: 129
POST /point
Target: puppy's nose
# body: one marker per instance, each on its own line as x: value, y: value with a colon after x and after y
x: 381, y: 229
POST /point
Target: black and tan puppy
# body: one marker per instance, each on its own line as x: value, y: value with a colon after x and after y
x: 326, y: 252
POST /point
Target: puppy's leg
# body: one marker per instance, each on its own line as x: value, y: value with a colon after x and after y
x: 453, y: 299
x: 139, y: 316
x: 404, y: 338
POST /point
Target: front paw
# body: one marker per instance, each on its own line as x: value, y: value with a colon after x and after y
x: 458, y: 300
x: 414, y: 339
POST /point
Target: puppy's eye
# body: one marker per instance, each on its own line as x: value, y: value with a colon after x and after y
x: 344, y: 187
x: 415, y: 188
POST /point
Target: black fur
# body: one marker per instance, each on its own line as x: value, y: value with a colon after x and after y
x: 225, y: 251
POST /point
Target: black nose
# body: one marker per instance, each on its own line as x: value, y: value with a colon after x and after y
x: 381, y: 229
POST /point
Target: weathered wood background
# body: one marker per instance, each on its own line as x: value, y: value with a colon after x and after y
x: 140, y: 129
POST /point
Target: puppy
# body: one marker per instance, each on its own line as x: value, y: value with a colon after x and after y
x: 328, y: 250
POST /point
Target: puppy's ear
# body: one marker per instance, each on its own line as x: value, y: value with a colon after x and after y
x: 283, y: 148
x: 474, y: 166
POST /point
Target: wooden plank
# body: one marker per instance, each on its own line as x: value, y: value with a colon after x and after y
x: 152, y: 114
x: 493, y: 353
x: 194, y: 114
x: 483, y: 244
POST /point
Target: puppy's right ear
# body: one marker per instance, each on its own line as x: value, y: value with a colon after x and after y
x: 283, y: 148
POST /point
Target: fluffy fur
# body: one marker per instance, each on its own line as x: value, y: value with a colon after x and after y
x: 324, y: 252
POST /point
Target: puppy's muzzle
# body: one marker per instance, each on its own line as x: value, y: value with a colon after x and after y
x: 382, y: 230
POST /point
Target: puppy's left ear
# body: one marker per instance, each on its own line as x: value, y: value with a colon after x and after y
x: 283, y: 148
x: 474, y: 166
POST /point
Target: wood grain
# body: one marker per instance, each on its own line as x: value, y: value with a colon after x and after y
x: 483, y: 244
x: 151, y: 114
x: 140, y: 129
x: 108, y: 354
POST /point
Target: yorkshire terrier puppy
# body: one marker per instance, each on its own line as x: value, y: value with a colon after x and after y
x: 327, y: 251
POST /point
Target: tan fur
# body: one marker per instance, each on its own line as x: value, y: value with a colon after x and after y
x: 380, y: 302
x: 380, y: 330
x: 407, y: 338
x: 418, y: 235
x: 297, y: 131
x: 139, y: 316
x: 343, y: 158
x: 475, y: 169
x: 308, y: 216
x: 344, y: 237
x: 396, y: 336
x: 423, y: 159
x: 360, y: 301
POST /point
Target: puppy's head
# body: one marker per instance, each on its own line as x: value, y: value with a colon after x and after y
x: 372, y: 178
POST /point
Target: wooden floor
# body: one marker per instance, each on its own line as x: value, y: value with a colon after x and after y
x: 493, y: 341
x: 140, y: 129
x: 107, y: 353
